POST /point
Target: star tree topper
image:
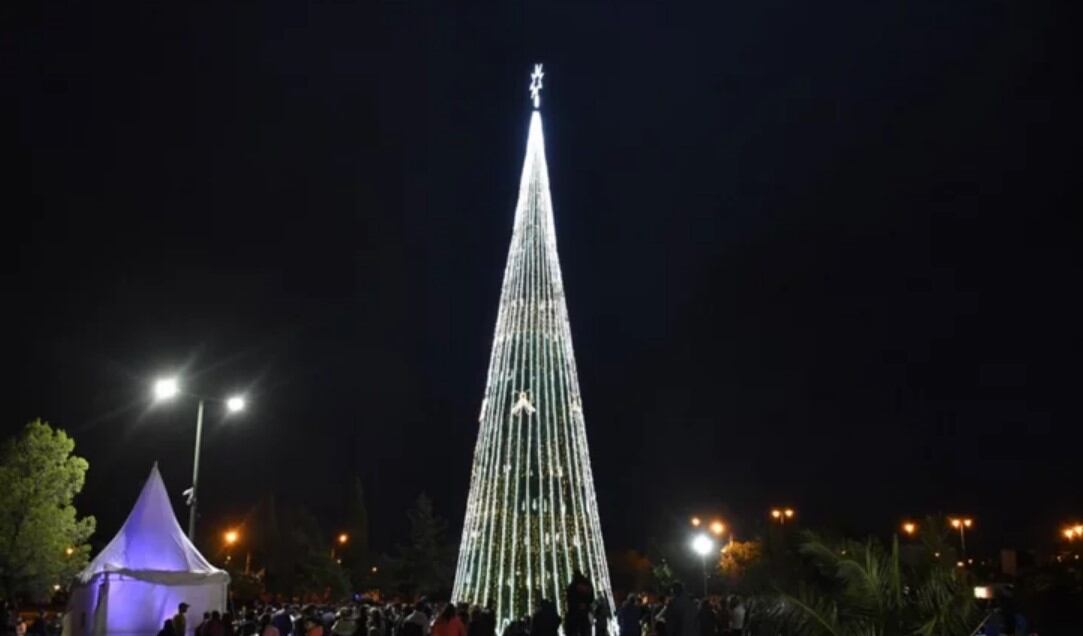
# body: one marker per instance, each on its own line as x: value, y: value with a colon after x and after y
x: 536, y: 84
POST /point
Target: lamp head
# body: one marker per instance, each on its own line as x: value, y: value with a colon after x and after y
x: 235, y: 404
x: 166, y: 388
x: 702, y: 544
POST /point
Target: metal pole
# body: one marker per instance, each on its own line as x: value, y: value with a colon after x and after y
x: 195, y: 475
x: 703, y: 561
x: 962, y: 538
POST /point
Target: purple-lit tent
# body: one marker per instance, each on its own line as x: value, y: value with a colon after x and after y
x: 138, y: 580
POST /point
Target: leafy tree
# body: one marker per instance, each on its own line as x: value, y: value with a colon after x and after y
x: 356, y: 557
x: 737, y: 558
x: 42, y: 540
x: 425, y: 566
x: 291, y: 552
x: 662, y: 578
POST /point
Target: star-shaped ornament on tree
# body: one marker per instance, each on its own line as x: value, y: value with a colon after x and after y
x: 536, y: 84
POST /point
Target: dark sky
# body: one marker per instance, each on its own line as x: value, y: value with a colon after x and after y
x: 816, y: 254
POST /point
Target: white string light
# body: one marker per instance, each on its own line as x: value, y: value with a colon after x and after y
x: 532, y: 514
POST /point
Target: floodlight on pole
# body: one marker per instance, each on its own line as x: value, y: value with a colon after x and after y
x: 166, y: 388
x: 702, y: 544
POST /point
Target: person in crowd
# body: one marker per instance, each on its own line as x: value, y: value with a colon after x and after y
x: 737, y: 615
x: 227, y: 625
x: 215, y: 626
x: 167, y: 628
x: 628, y: 617
x: 708, y: 624
x: 313, y: 625
x: 38, y: 626
x: 417, y: 622
x: 376, y: 623
x: 602, y: 615
x: 580, y: 597
x: 203, y: 624
x: 546, y: 621
x: 267, y: 626
x: 180, y: 619
x: 680, y: 613
x: 283, y: 621
x: 448, y: 623
x: 516, y: 628
x: 345, y: 624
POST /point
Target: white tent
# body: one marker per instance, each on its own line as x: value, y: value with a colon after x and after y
x: 149, y: 568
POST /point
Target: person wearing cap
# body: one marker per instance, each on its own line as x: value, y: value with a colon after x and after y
x: 180, y: 621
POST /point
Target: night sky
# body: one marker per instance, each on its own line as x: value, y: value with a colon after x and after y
x: 816, y: 254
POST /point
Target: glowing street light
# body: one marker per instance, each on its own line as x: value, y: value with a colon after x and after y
x: 695, y: 522
x: 342, y: 538
x: 1072, y: 533
x: 782, y: 515
x: 168, y: 388
x: 702, y: 544
x: 717, y: 528
x: 909, y: 527
x: 231, y: 537
x: 962, y: 524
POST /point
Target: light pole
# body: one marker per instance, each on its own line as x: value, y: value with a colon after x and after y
x: 169, y: 388
x: 961, y: 524
x: 782, y: 515
x: 342, y: 538
x: 703, y: 545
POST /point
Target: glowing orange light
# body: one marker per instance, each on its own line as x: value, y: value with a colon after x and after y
x: 69, y: 551
x: 695, y: 522
x: 776, y: 513
x: 231, y: 537
x: 717, y: 528
x: 955, y: 523
x: 343, y: 538
x: 789, y: 513
x: 909, y: 527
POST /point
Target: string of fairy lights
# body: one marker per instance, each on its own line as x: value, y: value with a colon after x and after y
x: 532, y: 515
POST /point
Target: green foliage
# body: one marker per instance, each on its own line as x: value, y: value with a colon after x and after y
x: 425, y: 567
x: 662, y: 578
x: 38, y: 523
x: 293, y: 552
x: 356, y: 557
x: 859, y: 589
x: 738, y: 557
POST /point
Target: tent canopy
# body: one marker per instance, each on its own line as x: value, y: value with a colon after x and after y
x: 151, y: 546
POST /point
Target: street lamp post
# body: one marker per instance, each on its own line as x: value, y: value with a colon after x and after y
x: 703, y: 545
x: 169, y: 388
x: 961, y: 524
x: 192, y: 501
x: 342, y: 538
x: 782, y: 515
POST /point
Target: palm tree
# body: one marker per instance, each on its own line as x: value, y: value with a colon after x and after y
x: 863, y: 589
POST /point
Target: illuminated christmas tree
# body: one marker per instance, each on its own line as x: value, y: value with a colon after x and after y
x: 531, y: 517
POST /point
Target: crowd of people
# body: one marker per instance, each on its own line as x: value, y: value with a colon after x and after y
x: 585, y: 615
